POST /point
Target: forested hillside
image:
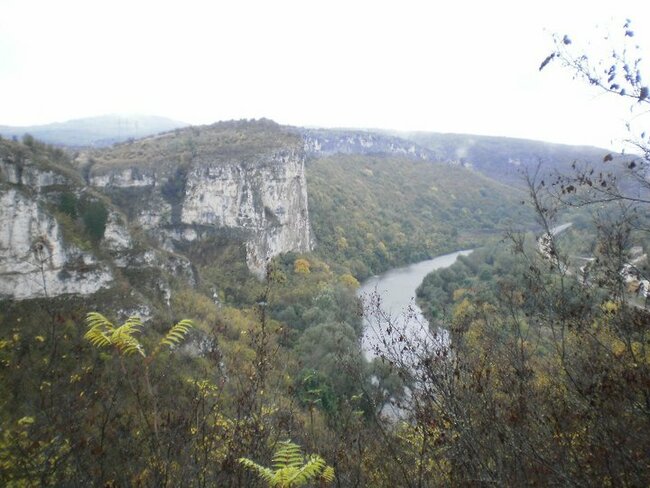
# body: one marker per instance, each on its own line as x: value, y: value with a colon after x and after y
x: 374, y: 212
x: 505, y: 159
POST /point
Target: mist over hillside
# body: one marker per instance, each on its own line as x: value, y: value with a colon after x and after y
x: 504, y: 158
x: 99, y: 131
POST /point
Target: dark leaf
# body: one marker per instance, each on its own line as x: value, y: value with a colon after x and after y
x: 546, y: 61
x: 609, y: 157
x: 566, y: 40
x: 643, y: 94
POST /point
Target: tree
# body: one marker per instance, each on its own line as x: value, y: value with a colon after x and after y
x: 301, y: 266
x: 619, y: 75
x: 123, y: 339
x: 95, y: 216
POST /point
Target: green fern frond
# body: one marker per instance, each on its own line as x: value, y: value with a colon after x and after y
x: 308, y: 472
x: 130, y: 345
x: 177, y: 333
x: 98, y: 329
x: 290, y: 468
x: 263, y: 472
x: 102, y: 333
x: 123, y: 337
x: 97, y: 338
x: 288, y: 455
x: 133, y: 323
x: 97, y: 320
x: 128, y: 328
x: 328, y: 474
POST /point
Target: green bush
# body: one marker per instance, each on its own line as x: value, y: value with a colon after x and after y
x: 94, y: 215
x: 68, y: 204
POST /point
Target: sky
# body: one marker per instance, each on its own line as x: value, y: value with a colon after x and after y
x: 444, y: 66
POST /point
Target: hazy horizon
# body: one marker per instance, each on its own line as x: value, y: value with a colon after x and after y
x: 470, y: 68
x: 314, y: 127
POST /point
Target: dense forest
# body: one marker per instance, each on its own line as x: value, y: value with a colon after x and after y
x: 373, y: 213
x: 189, y: 370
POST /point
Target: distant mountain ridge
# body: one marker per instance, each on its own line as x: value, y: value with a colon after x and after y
x: 505, y: 159
x: 101, y: 131
x: 327, y: 142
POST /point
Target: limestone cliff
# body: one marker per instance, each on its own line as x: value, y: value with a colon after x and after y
x: 323, y: 142
x: 267, y: 199
x: 59, y: 237
x: 35, y: 258
x: 244, y: 178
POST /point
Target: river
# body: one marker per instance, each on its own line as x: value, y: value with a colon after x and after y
x: 396, y: 289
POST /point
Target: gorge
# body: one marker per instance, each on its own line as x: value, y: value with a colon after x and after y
x: 225, y: 263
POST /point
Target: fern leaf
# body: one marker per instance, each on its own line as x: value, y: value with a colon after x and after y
x: 308, y: 472
x: 98, y: 327
x: 328, y: 474
x: 265, y: 473
x: 132, y: 346
x: 97, y: 320
x: 97, y: 338
x: 133, y: 323
x: 177, y: 333
x: 288, y: 455
x: 291, y: 468
x: 123, y: 337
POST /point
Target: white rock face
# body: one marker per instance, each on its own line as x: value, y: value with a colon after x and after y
x: 156, y: 215
x: 264, y: 199
x: 325, y: 141
x: 34, y: 262
x: 125, y: 178
x: 267, y: 198
x: 29, y: 175
x: 116, y: 237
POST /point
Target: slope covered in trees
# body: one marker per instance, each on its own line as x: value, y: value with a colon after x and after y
x: 503, y: 158
x: 371, y: 213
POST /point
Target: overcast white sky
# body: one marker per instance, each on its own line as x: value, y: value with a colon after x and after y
x: 452, y: 66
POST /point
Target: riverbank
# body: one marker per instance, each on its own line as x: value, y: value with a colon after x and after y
x: 394, y: 293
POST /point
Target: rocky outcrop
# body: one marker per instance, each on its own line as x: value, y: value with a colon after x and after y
x: 244, y: 182
x: 35, y: 261
x: 116, y: 236
x: 29, y: 175
x: 267, y: 200
x: 323, y: 142
x: 126, y: 178
x: 246, y: 179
